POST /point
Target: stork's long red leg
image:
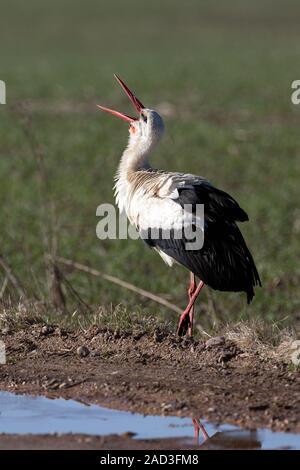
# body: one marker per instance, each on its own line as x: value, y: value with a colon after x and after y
x: 198, y: 426
x: 185, y: 319
x: 191, y: 291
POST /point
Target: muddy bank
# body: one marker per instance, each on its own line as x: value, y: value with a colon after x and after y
x: 154, y: 374
x: 83, y: 442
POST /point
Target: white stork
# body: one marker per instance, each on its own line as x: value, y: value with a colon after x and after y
x: 154, y: 199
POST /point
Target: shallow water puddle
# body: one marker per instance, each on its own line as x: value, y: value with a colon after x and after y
x: 24, y: 414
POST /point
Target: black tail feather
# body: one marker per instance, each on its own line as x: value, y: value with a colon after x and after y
x: 224, y: 262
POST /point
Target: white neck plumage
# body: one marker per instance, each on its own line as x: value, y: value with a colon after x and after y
x: 135, y: 157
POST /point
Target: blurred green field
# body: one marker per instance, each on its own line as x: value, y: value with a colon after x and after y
x: 223, y: 71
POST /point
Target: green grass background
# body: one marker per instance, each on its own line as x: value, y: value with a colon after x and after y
x: 225, y: 68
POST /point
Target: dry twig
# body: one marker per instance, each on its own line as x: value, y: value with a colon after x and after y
x: 12, y: 277
x: 119, y: 282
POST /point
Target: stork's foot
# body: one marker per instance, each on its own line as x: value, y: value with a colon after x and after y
x: 186, y: 320
x: 184, y: 324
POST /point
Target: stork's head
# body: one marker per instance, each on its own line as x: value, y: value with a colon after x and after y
x: 147, y: 128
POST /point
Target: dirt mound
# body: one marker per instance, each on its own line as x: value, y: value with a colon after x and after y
x: 154, y: 373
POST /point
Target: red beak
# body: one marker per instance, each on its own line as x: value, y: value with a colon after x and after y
x: 134, y: 100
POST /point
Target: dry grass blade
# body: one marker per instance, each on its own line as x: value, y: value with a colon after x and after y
x: 57, y: 297
x: 12, y: 277
x: 3, y: 287
x: 265, y: 339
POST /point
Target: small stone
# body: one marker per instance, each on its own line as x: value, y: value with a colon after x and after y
x: 216, y: 341
x: 128, y: 435
x: 83, y: 351
x: 225, y: 356
x: 167, y: 406
x: 157, y: 336
x: 96, y: 354
x: 47, y: 330
x: 60, y: 332
x: 259, y: 407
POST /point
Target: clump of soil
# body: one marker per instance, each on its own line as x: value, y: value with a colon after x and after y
x: 154, y: 373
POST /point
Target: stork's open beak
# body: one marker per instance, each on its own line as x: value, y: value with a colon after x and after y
x: 134, y: 100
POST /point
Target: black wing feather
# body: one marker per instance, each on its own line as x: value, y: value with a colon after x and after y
x: 217, y: 202
x: 224, y: 262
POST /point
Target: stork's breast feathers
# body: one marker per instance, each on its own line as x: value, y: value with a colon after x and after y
x: 154, y: 202
x: 155, y: 212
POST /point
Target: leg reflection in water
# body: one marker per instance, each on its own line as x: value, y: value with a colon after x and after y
x: 228, y: 439
x: 198, y: 426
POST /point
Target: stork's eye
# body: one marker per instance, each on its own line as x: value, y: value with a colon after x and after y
x: 144, y: 117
